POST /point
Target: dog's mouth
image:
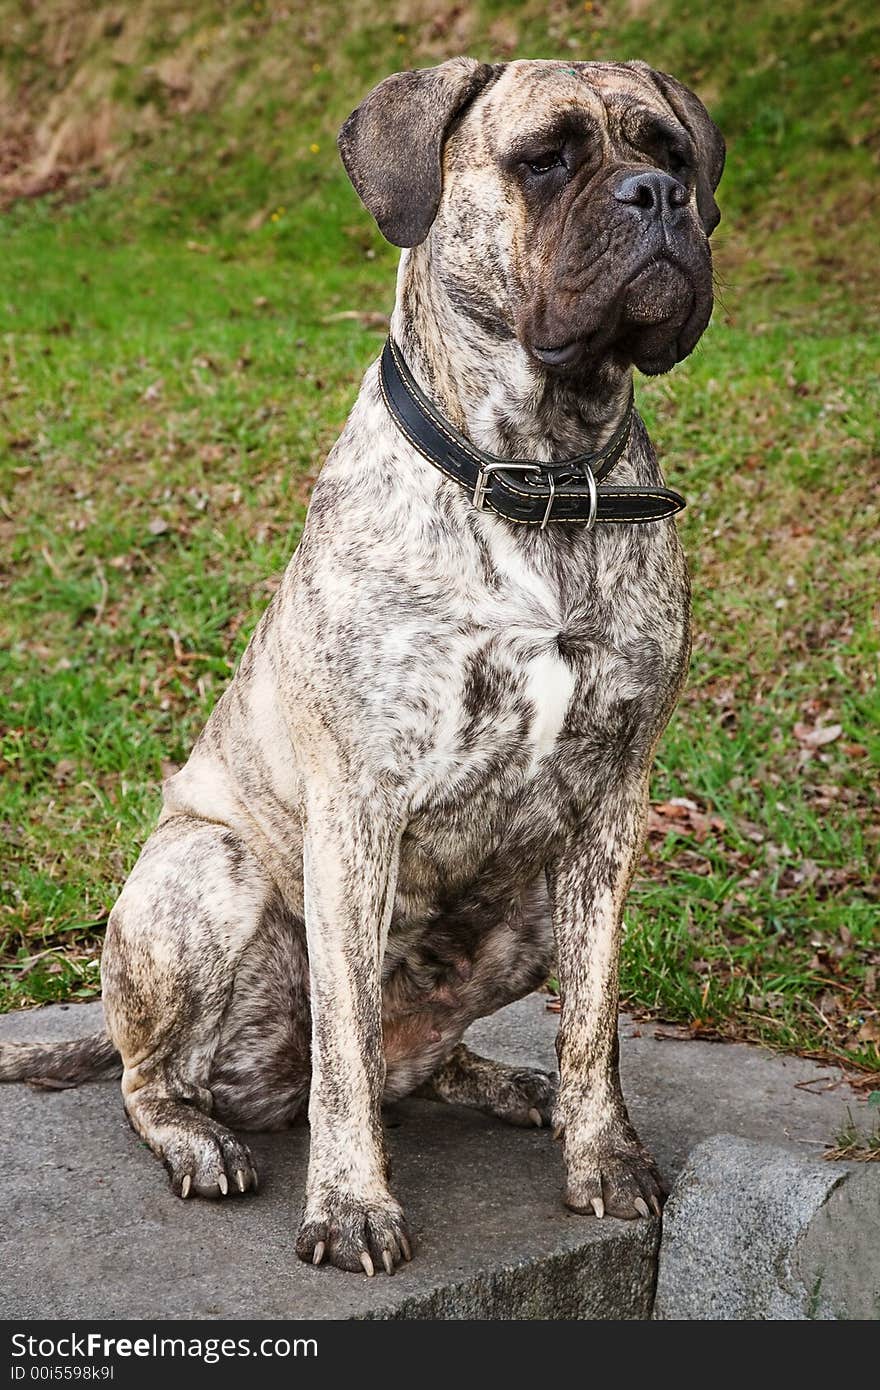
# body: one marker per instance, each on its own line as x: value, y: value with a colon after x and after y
x: 560, y: 356
x: 662, y: 292
x: 656, y: 300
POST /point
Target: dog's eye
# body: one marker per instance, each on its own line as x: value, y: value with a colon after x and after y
x: 545, y: 162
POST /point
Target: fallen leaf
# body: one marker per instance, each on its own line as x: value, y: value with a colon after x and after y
x: 365, y: 317
x: 817, y: 735
x: 256, y: 220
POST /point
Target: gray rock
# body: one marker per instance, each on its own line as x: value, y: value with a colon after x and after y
x: 753, y: 1231
x: 837, y: 1260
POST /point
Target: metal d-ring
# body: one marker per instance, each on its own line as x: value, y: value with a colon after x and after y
x: 550, y: 500
x: 594, y: 498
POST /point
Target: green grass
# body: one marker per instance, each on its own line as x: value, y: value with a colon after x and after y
x: 855, y: 1143
x: 173, y: 367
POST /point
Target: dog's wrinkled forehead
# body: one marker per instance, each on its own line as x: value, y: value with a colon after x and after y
x: 530, y: 97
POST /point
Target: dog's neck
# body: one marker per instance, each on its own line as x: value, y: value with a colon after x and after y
x: 489, y: 387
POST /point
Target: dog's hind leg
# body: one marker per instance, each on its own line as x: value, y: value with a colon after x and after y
x: 261, y: 1069
x: 519, y: 1095
x: 193, y: 902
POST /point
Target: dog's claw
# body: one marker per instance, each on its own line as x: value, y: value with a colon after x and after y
x: 619, y: 1181
x: 655, y: 1205
x: 254, y: 1180
x: 364, y: 1238
x: 535, y: 1117
x: 558, y: 1131
x: 202, y: 1160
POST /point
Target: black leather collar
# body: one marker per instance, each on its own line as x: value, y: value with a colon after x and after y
x: 520, y: 490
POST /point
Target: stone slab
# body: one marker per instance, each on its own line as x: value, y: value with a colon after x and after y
x: 90, y: 1229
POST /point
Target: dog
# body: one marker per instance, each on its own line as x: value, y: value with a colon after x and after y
x: 428, y: 777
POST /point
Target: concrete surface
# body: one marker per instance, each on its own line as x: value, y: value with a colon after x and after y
x: 750, y: 1233
x: 91, y: 1230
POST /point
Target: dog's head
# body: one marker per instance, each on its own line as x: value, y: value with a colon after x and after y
x: 566, y: 204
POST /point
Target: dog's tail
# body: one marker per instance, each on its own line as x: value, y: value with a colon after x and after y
x: 62, y: 1063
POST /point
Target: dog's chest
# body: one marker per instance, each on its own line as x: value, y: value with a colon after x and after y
x: 481, y: 786
x: 498, y: 714
x: 504, y: 702
x: 545, y: 672
x: 506, y: 688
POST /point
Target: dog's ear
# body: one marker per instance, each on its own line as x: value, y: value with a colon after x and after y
x: 707, y: 138
x: 392, y: 144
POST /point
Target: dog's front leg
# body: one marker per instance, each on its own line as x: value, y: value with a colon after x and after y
x: 607, y: 1168
x: 350, y: 867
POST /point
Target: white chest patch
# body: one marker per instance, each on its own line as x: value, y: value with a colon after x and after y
x: 528, y: 616
x: 549, y: 687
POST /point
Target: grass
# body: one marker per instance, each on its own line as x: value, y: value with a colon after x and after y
x: 855, y: 1144
x: 175, y: 360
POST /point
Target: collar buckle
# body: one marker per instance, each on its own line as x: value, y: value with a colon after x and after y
x: 484, y: 477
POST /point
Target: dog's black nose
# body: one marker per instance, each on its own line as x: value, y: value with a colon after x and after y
x: 655, y: 194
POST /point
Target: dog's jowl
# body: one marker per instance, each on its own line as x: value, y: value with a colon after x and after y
x: 428, y: 777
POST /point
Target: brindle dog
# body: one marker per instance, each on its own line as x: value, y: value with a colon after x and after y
x: 434, y: 756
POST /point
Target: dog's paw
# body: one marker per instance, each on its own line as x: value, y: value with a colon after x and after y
x: 360, y: 1236
x: 525, y: 1098
x: 614, y: 1181
x: 209, y: 1161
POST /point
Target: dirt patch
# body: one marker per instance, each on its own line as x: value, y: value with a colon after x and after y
x: 84, y: 88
